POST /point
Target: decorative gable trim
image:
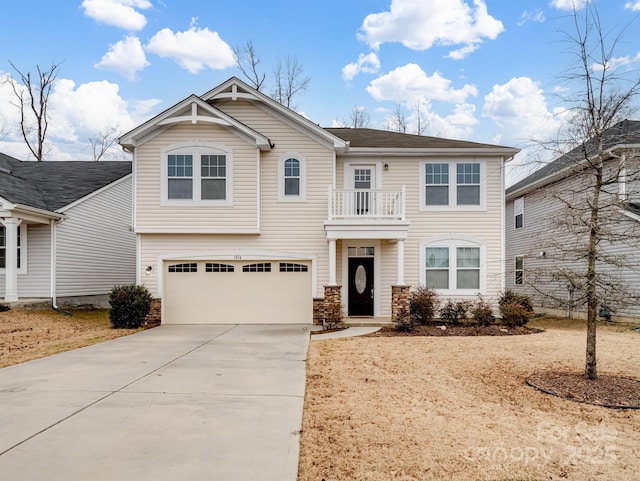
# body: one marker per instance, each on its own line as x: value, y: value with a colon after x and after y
x: 200, y: 111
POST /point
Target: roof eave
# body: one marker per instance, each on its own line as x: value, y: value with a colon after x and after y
x: 506, y: 153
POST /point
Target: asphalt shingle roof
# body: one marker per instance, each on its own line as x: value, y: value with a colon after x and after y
x: 625, y: 132
x: 53, y: 185
x: 386, y: 139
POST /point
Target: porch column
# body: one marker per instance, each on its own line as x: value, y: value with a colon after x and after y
x: 332, y: 262
x: 400, y: 247
x: 11, y: 258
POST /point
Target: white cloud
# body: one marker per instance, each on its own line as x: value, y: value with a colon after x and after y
x: 410, y: 83
x: 634, y: 6
x: 421, y: 25
x: 369, y: 63
x: 520, y: 111
x: 194, y: 49
x: 125, y: 57
x: 616, y: 62
x: 568, y: 4
x: 76, y: 113
x: 527, y: 16
x: 120, y: 13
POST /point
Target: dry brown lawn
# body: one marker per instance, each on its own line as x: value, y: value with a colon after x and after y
x: 27, y: 334
x: 457, y: 408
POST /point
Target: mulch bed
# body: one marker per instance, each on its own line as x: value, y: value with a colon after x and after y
x: 608, y: 391
x: 457, y: 330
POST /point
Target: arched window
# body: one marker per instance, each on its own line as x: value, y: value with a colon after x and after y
x: 292, y: 177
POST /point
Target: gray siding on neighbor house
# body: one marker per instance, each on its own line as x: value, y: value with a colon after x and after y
x: 545, y: 228
x: 34, y: 281
x: 95, y: 245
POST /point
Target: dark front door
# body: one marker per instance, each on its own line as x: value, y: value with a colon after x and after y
x: 361, y: 286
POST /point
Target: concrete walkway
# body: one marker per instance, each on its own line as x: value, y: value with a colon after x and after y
x: 172, y: 403
x: 348, y: 332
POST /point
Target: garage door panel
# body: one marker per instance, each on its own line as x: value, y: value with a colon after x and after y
x: 225, y: 296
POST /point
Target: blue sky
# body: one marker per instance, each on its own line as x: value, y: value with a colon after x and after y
x: 481, y: 70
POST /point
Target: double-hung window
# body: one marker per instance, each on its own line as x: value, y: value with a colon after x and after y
x: 292, y: 177
x: 453, y: 266
x: 452, y: 184
x: 518, y: 212
x: 3, y: 247
x: 199, y: 174
x: 519, y: 271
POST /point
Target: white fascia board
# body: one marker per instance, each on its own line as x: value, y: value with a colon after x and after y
x: 203, y: 230
x: 505, y: 153
x: 631, y: 215
x: 37, y: 215
x: 291, y: 117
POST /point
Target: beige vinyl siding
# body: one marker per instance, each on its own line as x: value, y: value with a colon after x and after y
x: 95, y: 246
x: 152, y: 215
x: 485, y: 225
x: 37, y: 279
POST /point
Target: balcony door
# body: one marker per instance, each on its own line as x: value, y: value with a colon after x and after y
x: 363, y: 179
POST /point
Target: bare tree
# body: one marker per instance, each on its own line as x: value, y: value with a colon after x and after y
x: 397, y: 122
x: 101, y: 144
x: 33, y: 103
x: 247, y: 60
x: 421, y: 118
x: 600, y: 96
x: 359, y: 117
x: 289, y: 80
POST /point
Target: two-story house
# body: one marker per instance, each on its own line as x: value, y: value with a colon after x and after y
x: 247, y: 212
x: 547, y: 221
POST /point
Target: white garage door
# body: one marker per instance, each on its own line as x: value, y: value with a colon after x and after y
x: 237, y: 292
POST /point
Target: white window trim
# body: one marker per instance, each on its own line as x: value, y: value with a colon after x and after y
x: 515, y: 270
x: 23, y: 250
x: 453, y: 185
x: 518, y: 209
x: 197, y: 148
x: 302, y: 197
x: 452, y: 242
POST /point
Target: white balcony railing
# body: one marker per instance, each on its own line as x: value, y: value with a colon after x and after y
x: 366, y: 204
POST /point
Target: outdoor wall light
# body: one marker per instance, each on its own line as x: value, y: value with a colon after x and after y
x: 148, y: 271
x: 386, y: 167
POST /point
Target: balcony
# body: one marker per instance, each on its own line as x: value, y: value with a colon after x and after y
x: 366, y: 204
x: 366, y: 214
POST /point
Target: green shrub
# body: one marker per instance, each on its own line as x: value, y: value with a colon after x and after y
x: 482, y: 312
x: 515, y: 309
x: 403, y: 322
x: 130, y: 305
x: 454, y: 312
x: 423, y: 304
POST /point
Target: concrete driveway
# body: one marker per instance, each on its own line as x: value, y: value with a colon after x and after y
x: 179, y: 403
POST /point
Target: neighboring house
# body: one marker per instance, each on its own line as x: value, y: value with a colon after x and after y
x: 66, y: 229
x: 247, y: 212
x: 546, y: 240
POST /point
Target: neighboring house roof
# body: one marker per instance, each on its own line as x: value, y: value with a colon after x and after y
x: 380, y: 139
x: 623, y: 135
x: 51, y: 186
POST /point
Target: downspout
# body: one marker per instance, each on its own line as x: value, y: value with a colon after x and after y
x: 52, y: 236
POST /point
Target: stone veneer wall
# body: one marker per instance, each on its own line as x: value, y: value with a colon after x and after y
x: 318, y: 310
x: 155, y: 313
x: 332, y: 295
x: 399, y: 300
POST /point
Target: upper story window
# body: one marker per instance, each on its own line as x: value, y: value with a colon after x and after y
x: 518, y: 212
x: 19, y: 247
x: 197, y: 174
x: 292, y: 177
x: 453, y: 266
x: 452, y: 184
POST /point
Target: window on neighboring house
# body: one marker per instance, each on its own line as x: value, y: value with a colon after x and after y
x: 519, y: 270
x: 198, y: 174
x: 3, y: 247
x: 518, y: 211
x: 453, y: 265
x: 468, y: 184
x: 292, y: 177
x: 437, y: 184
x: 466, y: 191
x: 180, y: 176
x: 213, y: 176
